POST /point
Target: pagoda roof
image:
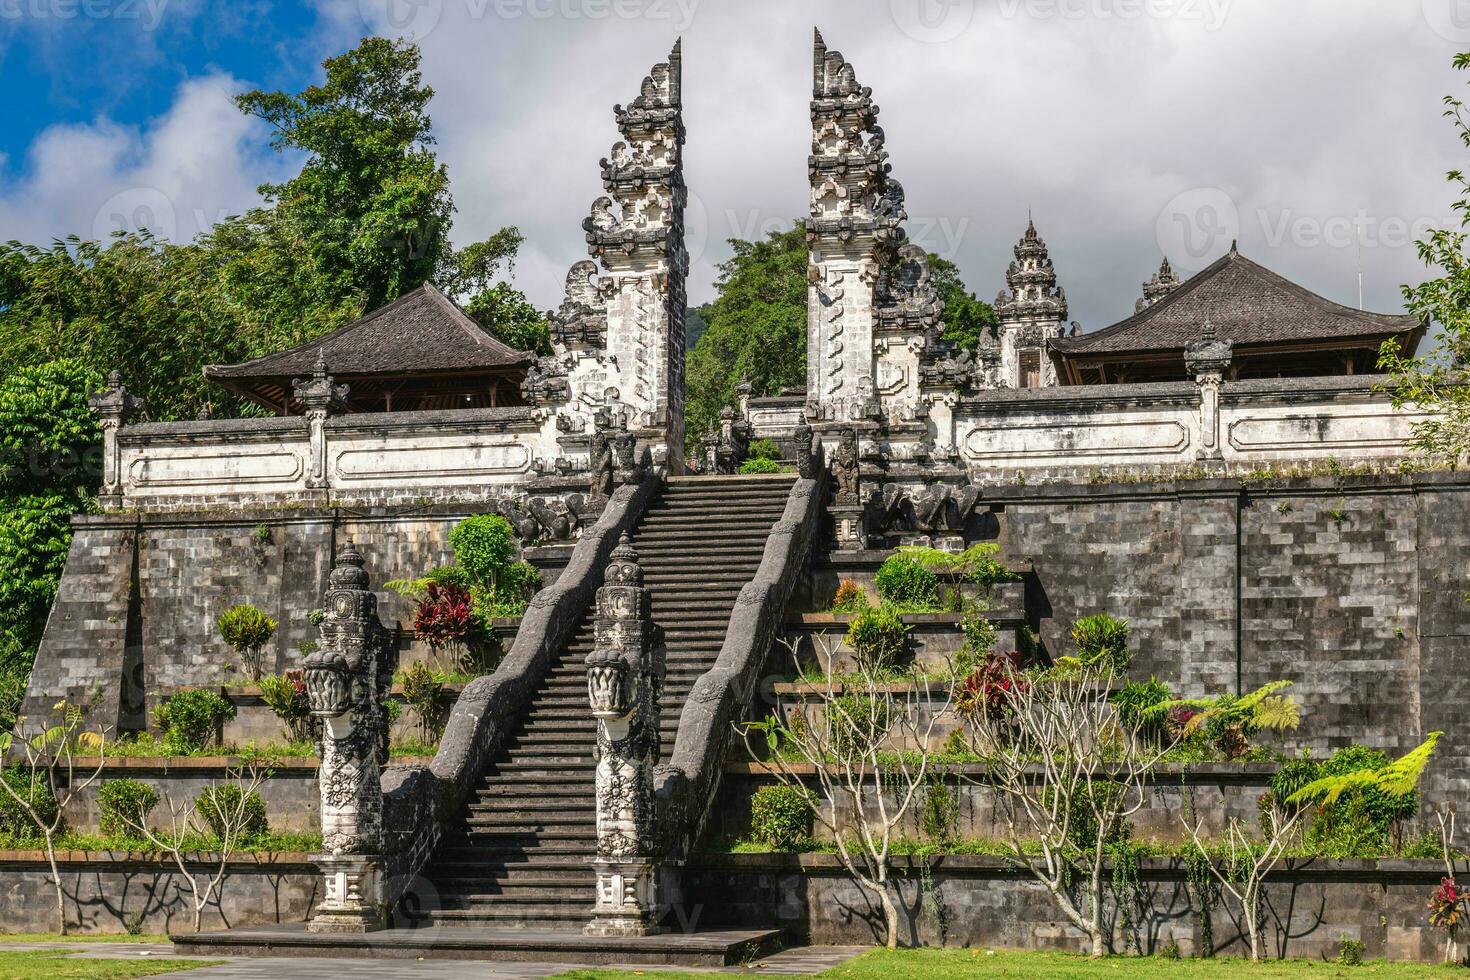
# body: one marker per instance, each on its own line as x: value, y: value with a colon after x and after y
x: 1246, y: 304
x: 423, y: 331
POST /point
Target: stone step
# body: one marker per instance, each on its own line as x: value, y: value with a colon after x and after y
x: 508, y: 916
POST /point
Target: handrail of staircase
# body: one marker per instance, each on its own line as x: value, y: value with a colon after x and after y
x: 418, y: 799
x: 684, y: 787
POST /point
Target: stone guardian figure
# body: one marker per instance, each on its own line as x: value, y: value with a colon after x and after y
x: 346, y: 681
x: 624, y: 681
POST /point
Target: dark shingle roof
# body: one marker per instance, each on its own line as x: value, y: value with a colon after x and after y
x: 421, y: 331
x: 1245, y: 303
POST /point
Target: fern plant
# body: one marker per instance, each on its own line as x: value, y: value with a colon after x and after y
x: 1398, y: 778
x: 1229, y: 721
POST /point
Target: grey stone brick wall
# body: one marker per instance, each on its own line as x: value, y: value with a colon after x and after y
x: 983, y: 904
x: 135, y: 617
x: 106, y: 893
x: 1353, y: 588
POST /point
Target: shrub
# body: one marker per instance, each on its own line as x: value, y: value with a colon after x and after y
x: 976, y: 563
x: 781, y: 817
x: 1135, y: 698
x: 426, y: 696
x: 878, y: 638
x: 444, y: 615
x: 190, y: 720
x: 1102, y: 642
x: 850, y: 597
x: 483, y: 545
x: 1350, y: 951
x: 246, y: 629
x: 1363, y: 819
x: 763, y: 449
x: 518, y: 583
x: 980, y: 636
x: 124, y: 803
x: 220, y: 805
x: 857, y: 722
x: 940, y: 812
x: 905, y: 582
x: 755, y: 466
x: 989, y: 688
x: 14, y: 821
x: 285, y: 694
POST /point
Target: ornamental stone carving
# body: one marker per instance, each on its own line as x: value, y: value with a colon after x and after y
x: 114, y: 408
x: 1160, y: 285
x: 1031, y: 310
x: 347, y: 679
x: 319, y: 396
x: 624, y: 683
x: 1208, y: 361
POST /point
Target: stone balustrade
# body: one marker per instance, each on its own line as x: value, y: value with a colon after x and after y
x: 378, y: 458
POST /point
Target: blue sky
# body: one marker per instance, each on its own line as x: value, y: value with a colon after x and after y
x: 1133, y: 129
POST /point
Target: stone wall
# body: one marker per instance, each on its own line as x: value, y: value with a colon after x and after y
x: 1211, y: 792
x: 1350, y: 587
x: 1308, y: 908
x: 136, y: 613
x: 113, y: 893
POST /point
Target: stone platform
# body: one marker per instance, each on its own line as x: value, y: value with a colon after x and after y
x: 696, y: 949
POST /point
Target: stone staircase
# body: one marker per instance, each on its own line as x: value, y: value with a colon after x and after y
x: 522, y: 857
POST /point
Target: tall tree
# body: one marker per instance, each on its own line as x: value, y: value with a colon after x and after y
x: 1438, y: 380
x: 372, y: 201
x: 756, y: 328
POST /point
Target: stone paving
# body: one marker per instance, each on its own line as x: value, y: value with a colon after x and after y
x: 799, y: 961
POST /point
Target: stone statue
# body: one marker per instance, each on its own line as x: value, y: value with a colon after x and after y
x: 624, y: 682
x: 347, y: 680
x: 846, y: 467
x: 602, y: 464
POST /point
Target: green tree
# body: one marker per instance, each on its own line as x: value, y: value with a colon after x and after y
x: 49, y: 439
x: 511, y: 319
x: 964, y: 315
x: 1437, y: 380
x: 755, y: 328
x: 366, y: 220
x: 372, y: 200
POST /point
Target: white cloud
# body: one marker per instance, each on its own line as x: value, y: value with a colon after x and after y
x: 1096, y: 114
x: 1312, y: 110
x: 177, y: 174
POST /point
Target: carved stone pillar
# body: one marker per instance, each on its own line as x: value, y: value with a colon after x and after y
x: 847, y: 506
x: 113, y: 407
x: 320, y: 397
x: 346, y: 681
x: 1208, y: 361
x: 624, y: 681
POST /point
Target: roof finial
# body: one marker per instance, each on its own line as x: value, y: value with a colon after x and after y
x: 1209, y: 332
x: 1234, y: 246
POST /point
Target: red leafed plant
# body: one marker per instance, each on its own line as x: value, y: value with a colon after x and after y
x: 1446, y: 905
x: 992, y: 687
x: 444, y: 615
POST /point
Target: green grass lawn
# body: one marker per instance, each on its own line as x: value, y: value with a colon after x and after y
x: 942, y: 964
x: 81, y: 937
x: 60, y: 965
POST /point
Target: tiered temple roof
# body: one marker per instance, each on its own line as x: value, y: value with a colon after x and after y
x: 1278, y: 329
x: 419, y: 352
